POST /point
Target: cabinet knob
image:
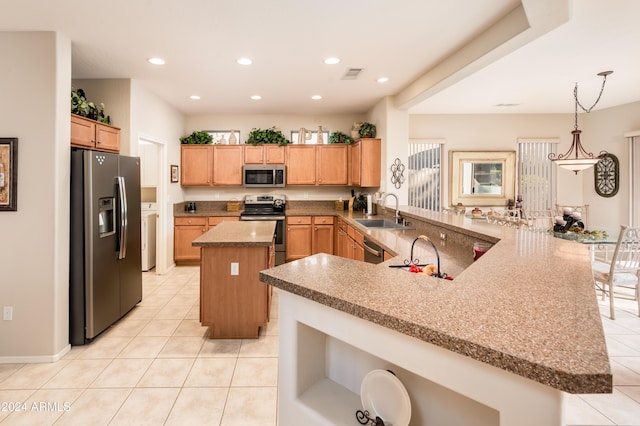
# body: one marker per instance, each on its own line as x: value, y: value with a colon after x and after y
x: 316, y: 228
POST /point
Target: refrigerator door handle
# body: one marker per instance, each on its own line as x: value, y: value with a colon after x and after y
x: 122, y: 194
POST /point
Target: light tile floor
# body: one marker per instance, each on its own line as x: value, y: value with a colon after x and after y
x: 157, y: 367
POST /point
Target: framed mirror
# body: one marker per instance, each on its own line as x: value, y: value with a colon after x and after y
x: 481, y: 178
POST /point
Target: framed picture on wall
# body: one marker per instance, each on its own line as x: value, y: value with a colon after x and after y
x: 174, y: 173
x: 8, y: 174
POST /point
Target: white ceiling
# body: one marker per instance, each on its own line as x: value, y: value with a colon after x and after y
x: 409, y: 41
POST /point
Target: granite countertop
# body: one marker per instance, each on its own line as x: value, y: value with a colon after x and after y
x: 250, y: 233
x: 527, y: 306
x: 205, y: 209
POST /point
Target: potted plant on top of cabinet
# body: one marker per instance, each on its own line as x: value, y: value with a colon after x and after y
x: 90, y: 128
x: 367, y: 130
x: 339, y: 137
x: 266, y: 136
x: 84, y: 108
x: 197, y: 138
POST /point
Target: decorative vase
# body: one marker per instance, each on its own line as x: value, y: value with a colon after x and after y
x: 223, y: 141
x: 232, y: 138
x: 303, y: 135
x: 320, y: 135
x: 355, y: 131
x: 460, y: 208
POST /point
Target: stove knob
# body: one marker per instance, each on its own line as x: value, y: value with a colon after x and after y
x: 277, y: 203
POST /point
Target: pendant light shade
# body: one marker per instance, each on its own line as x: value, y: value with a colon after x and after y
x: 577, y: 158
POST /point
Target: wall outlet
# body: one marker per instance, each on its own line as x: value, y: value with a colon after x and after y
x: 7, y: 313
x: 235, y: 268
x: 305, y: 195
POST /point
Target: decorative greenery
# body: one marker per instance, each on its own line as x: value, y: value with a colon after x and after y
x: 266, y: 136
x: 80, y: 106
x: 339, y: 137
x: 200, y: 138
x: 367, y: 130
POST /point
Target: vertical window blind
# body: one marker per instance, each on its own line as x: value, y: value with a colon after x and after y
x: 536, y: 173
x: 634, y: 180
x: 424, y: 164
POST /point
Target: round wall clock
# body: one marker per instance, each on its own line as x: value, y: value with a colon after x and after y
x: 607, y: 176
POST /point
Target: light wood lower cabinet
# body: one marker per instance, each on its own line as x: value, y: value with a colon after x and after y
x: 187, y: 229
x: 322, y: 236
x: 234, y: 306
x: 299, y: 237
x: 307, y: 235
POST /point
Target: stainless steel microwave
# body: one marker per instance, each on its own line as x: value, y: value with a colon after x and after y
x: 264, y: 176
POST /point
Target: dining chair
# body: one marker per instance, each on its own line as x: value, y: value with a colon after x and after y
x: 624, y: 269
x: 583, y: 210
x: 538, y: 220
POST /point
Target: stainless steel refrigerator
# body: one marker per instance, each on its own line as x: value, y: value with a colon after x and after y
x: 105, y: 276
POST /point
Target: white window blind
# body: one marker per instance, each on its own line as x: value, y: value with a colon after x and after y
x: 634, y: 178
x: 536, y: 173
x: 424, y: 178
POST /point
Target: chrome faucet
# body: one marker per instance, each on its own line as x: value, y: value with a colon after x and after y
x: 384, y: 198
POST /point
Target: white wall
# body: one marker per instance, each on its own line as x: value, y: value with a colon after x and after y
x: 392, y: 127
x: 35, y: 82
x: 604, y: 130
x: 153, y: 119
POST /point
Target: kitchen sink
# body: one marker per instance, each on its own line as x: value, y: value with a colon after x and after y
x: 381, y: 224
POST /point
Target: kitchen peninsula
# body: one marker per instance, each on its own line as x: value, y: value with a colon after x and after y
x: 498, y: 345
x: 233, y: 302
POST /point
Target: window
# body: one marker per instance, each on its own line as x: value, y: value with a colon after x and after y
x: 295, y: 137
x: 536, y: 173
x: 424, y: 179
x: 634, y: 170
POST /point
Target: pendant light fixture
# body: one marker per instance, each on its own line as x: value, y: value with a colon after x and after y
x: 577, y: 158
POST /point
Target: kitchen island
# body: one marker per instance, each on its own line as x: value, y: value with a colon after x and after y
x: 498, y: 345
x: 233, y: 302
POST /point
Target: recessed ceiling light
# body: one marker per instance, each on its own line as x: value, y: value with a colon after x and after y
x: 382, y: 79
x: 194, y: 97
x: 244, y: 61
x: 156, y: 61
x: 316, y: 97
x: 332, y: 61
x: 256, y: 97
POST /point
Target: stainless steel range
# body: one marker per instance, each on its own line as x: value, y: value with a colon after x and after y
x: 268, y: 207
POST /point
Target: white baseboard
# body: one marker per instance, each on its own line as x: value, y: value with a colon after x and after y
x: 34, y: 359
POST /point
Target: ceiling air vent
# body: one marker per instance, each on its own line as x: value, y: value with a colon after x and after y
x: 352, y: 73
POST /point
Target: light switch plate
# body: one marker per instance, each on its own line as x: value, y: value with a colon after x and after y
x: 7, y: 313
x: 235, y: 268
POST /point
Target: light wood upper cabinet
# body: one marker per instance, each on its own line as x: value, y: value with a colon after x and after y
x: 227, y: 164
x: 333, y: 166
x: 301, y: 165
x: 207, y: 165
x: 264, y: 154
x: 197, y: 163
x: 366, y: 155
x: 91, y: 134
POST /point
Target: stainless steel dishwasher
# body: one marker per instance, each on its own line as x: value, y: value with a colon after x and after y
x: 373, y: 253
